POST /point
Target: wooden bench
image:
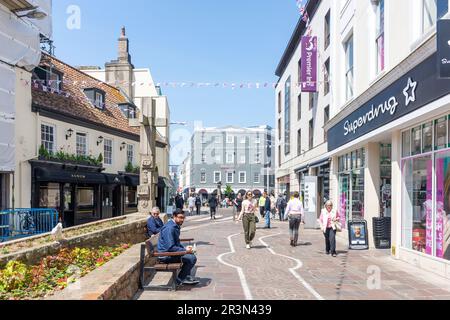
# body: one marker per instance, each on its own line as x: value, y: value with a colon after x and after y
x: 174, y: 268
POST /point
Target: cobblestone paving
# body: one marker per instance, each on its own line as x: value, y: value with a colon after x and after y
x: 280, y: 272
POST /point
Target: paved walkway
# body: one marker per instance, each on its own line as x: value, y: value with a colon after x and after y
x: 273, y: 270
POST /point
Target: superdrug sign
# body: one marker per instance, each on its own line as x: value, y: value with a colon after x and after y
x: 412, y: 91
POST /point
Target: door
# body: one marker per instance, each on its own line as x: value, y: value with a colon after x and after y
x: 344, y: 198
x: 107, y: 202
x: 68, y: 206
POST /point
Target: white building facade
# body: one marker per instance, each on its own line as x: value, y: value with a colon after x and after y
x: 20, y: 52
x: 388, y: 128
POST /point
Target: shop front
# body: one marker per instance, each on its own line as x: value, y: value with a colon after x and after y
x: 81, y: 194
x: 391, y: 158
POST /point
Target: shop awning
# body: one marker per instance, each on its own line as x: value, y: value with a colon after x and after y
x: 316, y: 164
x: 81, y: 177
x: 132, y: 180
x: 163, y: 182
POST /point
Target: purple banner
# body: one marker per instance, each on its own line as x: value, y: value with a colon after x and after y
x: 429, y: 208
x: 440, y: 210
x: 309, y: 64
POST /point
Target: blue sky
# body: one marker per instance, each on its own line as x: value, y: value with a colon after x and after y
x: 203, y: 41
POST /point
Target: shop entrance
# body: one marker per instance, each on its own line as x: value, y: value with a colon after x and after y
x: 385, y: 179
x: 110, y: 201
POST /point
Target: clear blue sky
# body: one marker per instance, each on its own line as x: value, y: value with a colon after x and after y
x: 203, y: 41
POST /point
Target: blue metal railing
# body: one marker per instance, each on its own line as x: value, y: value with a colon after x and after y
x: 21, y: 223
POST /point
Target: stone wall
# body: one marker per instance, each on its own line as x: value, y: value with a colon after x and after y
x: 116, y: 280
x: 131, y: 232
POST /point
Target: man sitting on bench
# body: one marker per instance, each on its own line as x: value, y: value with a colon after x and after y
x: 169, y: 241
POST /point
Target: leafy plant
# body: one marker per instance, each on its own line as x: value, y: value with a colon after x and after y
x: 100, y: 159
x: 129, y: 168
x: 228, y: 191
x: 43, y: 152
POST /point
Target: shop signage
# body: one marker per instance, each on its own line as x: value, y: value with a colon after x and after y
x: 357, y: 235
x: 78, y: 176
x: 443, y: 47
x: 309, y: 64
x: 412, y: 91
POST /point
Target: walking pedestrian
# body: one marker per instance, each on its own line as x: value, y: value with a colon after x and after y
x: 295, y: 213
x: 262, y: 206
x: 238, y: 205
x: 281, y: 206
x: 198, y: 204
x: 248, y: 218
x: 191, y: 204
x: 330, y: 224
x: 213, y: 203
x: 267, y: 207
x: 273, y: 203
x: 179, y: 201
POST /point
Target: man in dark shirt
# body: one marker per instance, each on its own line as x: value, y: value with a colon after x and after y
x: 169, y: 241
x: 213, y: 202
x: 198, y: 204
x: 179, y: 202
x: 154, y: 223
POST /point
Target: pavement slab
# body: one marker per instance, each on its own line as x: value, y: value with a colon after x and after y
x: 272, y: 270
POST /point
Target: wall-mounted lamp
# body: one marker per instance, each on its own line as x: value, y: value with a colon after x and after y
x: 35, y: 14
x: 99, y: 140
x: 123, y: 146
x: 69, y: 134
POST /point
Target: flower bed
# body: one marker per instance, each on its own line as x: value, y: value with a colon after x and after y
x: 19, y: 281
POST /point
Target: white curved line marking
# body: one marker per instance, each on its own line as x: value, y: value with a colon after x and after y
x: 292, y: 270
x: 248, y: 294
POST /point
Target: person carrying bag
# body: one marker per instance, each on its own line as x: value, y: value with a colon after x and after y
x: 330, y: 224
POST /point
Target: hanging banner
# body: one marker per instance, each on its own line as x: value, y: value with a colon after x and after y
x: 443, y: 48
x: 309, y: 64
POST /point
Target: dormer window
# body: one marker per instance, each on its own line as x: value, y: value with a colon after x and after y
x: 128, y: 110
x: 48, y: 77
x: 96, y: 97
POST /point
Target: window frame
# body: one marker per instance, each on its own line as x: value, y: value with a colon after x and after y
x: 349, y: 67
x: 245, y: 177
x: 85, y: 135
x: 220, y: 176
x: 53, y: 127
x: 108, y: 160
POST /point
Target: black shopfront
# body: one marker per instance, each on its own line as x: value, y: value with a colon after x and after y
x: 82, y: 194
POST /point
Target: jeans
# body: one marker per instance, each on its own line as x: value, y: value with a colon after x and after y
x: 213, y: 212
x: 249, y: 222
x: 330, y: 240
x: 198, y: 210
x: 281, y: 212
x: 188, y: 260
x: 268, y: 214
x: 294, y: 226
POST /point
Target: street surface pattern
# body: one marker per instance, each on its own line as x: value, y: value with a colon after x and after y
x: 272, y: 270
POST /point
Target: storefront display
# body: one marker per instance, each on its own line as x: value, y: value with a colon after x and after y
x: 426, y: 189
x: 351, y: 185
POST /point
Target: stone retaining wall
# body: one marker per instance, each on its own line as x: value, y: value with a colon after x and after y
x: 131, y: 232
x: 116, y: 280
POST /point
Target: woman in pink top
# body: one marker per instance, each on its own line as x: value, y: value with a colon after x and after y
x: 295, y: 212
x: 330, y: 223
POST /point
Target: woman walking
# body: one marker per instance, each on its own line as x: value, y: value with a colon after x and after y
x: 248, y: 217
x: 295, y: 213
x: 330, y: 223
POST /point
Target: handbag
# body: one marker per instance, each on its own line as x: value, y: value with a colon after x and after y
x: 256, y: 219
x: 338, y: 226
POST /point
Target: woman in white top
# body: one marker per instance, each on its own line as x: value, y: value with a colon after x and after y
x: 295, y: 212
x: 248, y: 217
